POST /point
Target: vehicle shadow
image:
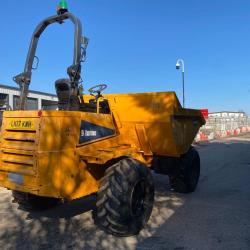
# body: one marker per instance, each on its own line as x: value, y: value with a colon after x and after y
x: 71, y: 225
x: 66, y: 210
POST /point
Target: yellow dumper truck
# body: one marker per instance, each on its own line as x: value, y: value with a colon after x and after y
x: 104, y: 144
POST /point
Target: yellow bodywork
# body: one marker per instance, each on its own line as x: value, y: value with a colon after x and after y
x: 50, y: 153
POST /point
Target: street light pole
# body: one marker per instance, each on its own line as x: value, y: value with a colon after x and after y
x: 180, y: 64
x: 183, y: 89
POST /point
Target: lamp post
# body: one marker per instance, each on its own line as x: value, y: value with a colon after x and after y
x: 180, y: 65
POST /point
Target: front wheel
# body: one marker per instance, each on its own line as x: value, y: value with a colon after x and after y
x: 186, y: 179
x: 125, y: 199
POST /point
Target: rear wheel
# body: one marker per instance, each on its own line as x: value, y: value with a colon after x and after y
x: 188, y: 175
x: 125, y: 198
x: 34, y: 202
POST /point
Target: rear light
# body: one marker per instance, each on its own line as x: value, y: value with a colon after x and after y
x: 40, y: 113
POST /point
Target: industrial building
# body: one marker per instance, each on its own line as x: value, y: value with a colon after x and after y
x: 9, y: 98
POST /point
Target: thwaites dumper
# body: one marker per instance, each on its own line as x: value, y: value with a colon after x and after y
x: 98, y: 143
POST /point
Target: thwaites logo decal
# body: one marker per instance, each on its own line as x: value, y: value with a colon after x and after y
x: 90, y: 132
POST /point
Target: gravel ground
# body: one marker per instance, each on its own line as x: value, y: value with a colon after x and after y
x: 216, y: 216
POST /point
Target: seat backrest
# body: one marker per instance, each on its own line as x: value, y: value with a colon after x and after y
x: 63, y: 91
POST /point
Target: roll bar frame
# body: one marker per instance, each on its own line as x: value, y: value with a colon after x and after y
x: 74, y: 71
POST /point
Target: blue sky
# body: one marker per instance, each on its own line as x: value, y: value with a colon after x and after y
x: 134, y: 46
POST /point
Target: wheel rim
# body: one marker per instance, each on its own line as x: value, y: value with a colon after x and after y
x: 138, y: 198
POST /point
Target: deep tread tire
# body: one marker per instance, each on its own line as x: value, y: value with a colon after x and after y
x: 125, y: 198
x: 33, y: 202
x: 188, y: 175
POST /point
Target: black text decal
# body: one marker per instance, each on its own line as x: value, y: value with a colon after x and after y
x: 90, y: 132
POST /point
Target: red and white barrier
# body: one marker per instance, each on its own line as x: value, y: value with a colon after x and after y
x: 201, y: 136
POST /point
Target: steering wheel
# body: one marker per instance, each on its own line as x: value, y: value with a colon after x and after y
x: 97, y: 89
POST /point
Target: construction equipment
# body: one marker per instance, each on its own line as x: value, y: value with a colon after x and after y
x: 98, y: 143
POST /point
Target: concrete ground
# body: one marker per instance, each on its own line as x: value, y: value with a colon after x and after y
x: 216, y: 216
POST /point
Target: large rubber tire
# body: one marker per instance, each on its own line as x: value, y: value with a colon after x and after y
x: 125, y: 198
x: 188, y: 175
x: 33, y: 202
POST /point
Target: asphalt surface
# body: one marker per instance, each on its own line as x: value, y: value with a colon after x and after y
x: 215, y: 216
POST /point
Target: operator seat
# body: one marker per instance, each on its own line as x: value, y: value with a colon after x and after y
x: 67, y: 96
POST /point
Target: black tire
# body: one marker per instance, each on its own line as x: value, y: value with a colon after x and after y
x: 33, y: 202
x: 189, y: 172
x: 125, y: 198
